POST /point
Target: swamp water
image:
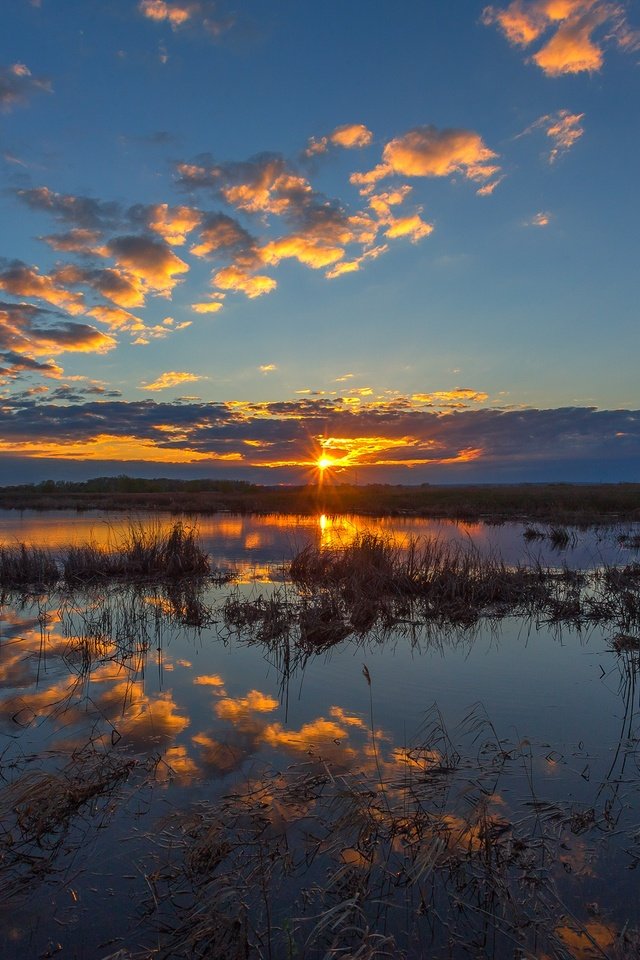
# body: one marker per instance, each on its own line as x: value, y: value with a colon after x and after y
x: 178, y: 781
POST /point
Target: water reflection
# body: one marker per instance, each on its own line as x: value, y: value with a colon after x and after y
x: 397, y: 801
x: 251, y: 540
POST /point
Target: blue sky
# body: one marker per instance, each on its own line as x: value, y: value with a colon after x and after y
x: 234, y: 237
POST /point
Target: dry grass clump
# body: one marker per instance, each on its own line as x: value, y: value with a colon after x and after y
x: 23, y: 565
x: 375, y: 582
x: 449, y: 581
x: 143, y: 552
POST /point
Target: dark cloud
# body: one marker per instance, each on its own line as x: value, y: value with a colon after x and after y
x: 85, y: 212
x: 388, y: 435
x: 17, y: 85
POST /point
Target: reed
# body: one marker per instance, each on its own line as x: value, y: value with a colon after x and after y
x: 143, y: 552
x: 24, y: 565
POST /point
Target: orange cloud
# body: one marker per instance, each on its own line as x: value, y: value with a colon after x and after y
x: 198, y: 14
x: 413, y: 227
x: 119, y: 286
x: 23, y: 281
x: 350, y: 136
x: 172, y: 378
x: 173, y: 224
x: 429, y: 152
x: 150, y: 262
x: 211, y: 306
x: 240, y: 277
x: 541, y: 219
x: 307, y: 250
x: 563, y: 128
x: 570, y: 48
x: 254, y: 702
x: 459, y: 397
x: 352, y: 266
x: 174, y: 13
x: 221, y: 233
x: 105, y: 446
x: 116, y: 318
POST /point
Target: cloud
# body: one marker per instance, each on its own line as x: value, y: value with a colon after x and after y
x: 200, y: 16
x: 568, y: 27
x: 172, y: 378
x: 222, y: 234
x: 428, y: 430
x: 119, y: 286
x: 152, y: 263
x: 429, y: 152
x: 350, y: 136
x: 541, y: 219
x: 20, y: 280
x: 211, y: 306
x: 307, y: 250
x: 352, y: 266
x: 267, y: 367
x: 28, y: 332
x: 77, y: 240
x: 81, y: 211
x: 17, y: 85
x: 241, y: 277
x: 173, y: 224
x: 563, y: 128
x: 263, y: 184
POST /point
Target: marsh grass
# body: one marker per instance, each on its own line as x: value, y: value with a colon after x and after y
x: 141, y: 552
x: 25, y: 565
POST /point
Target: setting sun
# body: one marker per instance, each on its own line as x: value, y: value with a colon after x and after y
x: 324, y: 462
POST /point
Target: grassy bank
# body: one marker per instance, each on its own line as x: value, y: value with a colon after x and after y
x: 550, y: 503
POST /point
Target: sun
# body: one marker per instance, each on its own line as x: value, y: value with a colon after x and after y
x: 323, y: 462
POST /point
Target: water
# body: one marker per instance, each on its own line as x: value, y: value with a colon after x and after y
x: 534, y: 715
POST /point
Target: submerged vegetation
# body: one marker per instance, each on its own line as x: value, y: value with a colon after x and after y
x: 555, y: 503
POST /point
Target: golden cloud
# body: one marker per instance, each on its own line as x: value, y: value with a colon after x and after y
x: 22, y: 281
x: 429, y: 152
x: 240, y: 277
x: 173, y: 224
x: 172, y: 378
x: 307, y: 250
x: 151, y: 263
x: 352, y: 266
x: 116, y: 318
x: 570, y: 48
x: 350, y: 136
x: 211, y: 306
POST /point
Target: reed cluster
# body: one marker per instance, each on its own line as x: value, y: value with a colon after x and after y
x: 141, y: 552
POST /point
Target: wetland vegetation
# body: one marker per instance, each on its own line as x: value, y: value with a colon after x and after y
x: 555, y: 503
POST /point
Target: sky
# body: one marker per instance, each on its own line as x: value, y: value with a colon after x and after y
x: 237, y: 239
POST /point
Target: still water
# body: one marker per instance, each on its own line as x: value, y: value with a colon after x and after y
x: 199, y: 711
